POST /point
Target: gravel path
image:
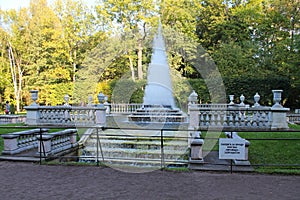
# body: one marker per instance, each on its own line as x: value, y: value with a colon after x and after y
x: 32, y: 181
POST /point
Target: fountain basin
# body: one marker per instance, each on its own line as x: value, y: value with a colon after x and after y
x: 158, y: 114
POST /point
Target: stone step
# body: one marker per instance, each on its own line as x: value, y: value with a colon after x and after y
x: 135, y: 147
x: 148, y: 163
x: 135, y: 153
x: 137, y: 142
x: 137, y: 139
x: 138, y: 147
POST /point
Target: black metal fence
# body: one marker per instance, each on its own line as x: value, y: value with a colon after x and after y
x: 152, y: 148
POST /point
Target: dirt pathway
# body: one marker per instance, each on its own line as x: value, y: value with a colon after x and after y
x: 31, y: 181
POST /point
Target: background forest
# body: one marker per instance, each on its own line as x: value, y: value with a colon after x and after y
x: 69, y: 48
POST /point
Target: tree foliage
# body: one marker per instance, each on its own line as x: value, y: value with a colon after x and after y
x: 67, y: 47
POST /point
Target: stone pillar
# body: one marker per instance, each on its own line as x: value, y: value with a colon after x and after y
x: 32, y: 111
x: 32, y: 115
x: 73, y: 137
x: 10, y: 143
x: 279, y: 120
x: 193, y: 110
x: 196, y: 148
x: 101, y: 116
x: 194, y: 119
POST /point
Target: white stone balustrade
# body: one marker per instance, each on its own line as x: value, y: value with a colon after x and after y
x: 21, y: 141
x: 238, y: 116
x: 5, y: 119
x: 65, y: 115
x: 123, y: 108
x: 54, y: 143
x: 293, y: 118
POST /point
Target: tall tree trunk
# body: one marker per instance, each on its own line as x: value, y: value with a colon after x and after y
x: 74, y: 65
x: 16, y: 73
x: 140, y: 59
x: 131, y: 68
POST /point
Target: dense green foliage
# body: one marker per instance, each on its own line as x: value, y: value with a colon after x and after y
x: 70, y: 48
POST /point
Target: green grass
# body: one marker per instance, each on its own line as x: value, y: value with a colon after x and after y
x: 274, y: 156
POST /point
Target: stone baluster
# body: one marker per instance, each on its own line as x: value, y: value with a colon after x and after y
x: 236, y: 119
x: 242, y: 118
x: 230, y: 118
x: 225, y: 119
x: 219, y: 118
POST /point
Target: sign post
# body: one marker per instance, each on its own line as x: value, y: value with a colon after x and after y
x: 232, y: 148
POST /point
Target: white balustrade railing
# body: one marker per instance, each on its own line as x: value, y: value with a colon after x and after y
x: 123, y: 108
x: 293, y: 118
x: 6, y: 119
x: 235, y: 117
x: 65, y: 115
x: 21, y: 141
x: 54, y: 143
x: 241, y: 117
x: 45, y: 143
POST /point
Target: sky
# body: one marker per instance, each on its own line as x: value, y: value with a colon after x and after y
x: 13, y: 4
x: 17, y: 4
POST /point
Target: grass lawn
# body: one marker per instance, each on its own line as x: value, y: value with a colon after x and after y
x: 271, y: 152
x: 274, y: 152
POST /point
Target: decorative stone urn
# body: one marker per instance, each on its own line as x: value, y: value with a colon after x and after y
x: 242, y: 98
x: 231, y: 98
x: 34, y: 96
x: 256, y: 100
x: 101, y: 98
x: 66, y: 98
x: 193, y: 98
x: 277, y: 98
x: 90, y: 100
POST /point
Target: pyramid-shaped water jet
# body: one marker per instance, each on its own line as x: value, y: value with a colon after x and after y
x: 159, y: 103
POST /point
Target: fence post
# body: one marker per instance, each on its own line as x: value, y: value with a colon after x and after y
x: 162, y: 163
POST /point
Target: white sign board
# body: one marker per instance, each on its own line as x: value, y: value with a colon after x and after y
x: 232, y: 148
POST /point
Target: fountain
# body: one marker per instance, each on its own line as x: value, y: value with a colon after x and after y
x: 158, y: 103
x: 148, y: 148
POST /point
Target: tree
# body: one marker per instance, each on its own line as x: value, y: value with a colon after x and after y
x: 133, y: 19
x: 78, y: 26
x: 14, y: 44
